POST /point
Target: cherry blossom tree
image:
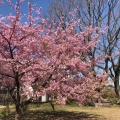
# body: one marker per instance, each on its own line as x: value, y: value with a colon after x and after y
x: 96, y: 13
x: 1, y: 2
x: 47, y: 58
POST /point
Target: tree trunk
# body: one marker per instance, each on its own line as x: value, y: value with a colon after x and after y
x: 116, y: 83
x: 18, y: 105
x: 117, y: 90
x: 18, y: 112
x: 53, y: 107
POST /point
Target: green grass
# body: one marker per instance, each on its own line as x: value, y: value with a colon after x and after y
x: 67, y: 112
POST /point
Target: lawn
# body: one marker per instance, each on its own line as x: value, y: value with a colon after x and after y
x: 67, y: 112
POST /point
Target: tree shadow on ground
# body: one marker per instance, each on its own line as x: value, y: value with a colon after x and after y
x: 56, y: 115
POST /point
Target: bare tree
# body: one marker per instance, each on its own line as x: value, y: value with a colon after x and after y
x: 96, y: 13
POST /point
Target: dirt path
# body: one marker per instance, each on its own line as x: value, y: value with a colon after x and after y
x: 108, y: 113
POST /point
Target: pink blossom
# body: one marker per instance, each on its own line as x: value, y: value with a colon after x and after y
x: 48, y: 60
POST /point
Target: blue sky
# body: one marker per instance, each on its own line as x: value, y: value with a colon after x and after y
x: 5, y: 9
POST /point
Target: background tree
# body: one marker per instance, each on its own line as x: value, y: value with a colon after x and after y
x: 98, y: 13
